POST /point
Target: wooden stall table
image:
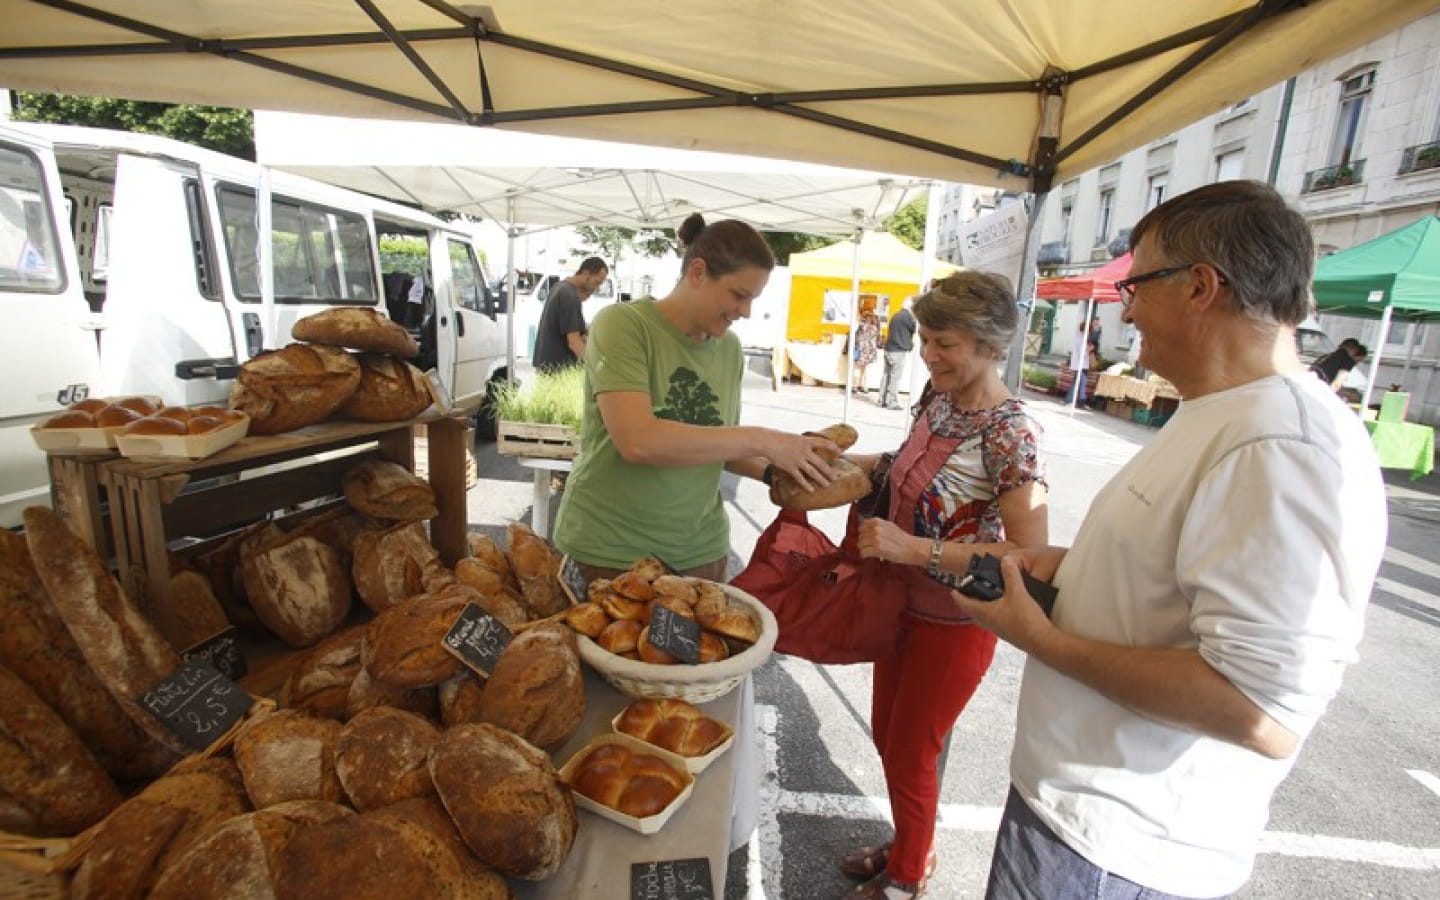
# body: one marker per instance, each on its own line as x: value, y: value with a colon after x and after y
x: 77, y: 494
x: 718, y: 816
x: 150, y: 505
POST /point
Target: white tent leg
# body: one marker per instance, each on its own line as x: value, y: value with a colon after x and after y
x: 1080, y: 373
x: 1025, y: 293
x: 1375, y: 360
x: 849, y: 351
x: 513, y: 291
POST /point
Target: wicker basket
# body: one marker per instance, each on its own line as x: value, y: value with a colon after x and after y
x: 28, y: 868
x: 695, y: 684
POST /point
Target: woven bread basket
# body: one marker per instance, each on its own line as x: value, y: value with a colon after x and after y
x: 29, y: 869
x: 694, y: 684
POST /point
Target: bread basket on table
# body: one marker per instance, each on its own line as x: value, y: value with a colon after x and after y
x: 695, y: 684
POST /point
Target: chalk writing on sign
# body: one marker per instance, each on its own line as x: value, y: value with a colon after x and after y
x: 674, y: 879
x: 197, y: 703
x: 478, y: 639
x: 675, y: 634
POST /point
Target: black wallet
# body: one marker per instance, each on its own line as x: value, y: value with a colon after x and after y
x: 982, y: 580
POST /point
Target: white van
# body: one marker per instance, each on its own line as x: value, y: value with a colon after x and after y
x: 154, y: 287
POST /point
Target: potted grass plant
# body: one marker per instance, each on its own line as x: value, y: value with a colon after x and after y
x: 543, y: 417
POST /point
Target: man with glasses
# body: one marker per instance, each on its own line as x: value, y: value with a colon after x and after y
x: 1216, y: 590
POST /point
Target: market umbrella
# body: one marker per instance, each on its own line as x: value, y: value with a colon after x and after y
x: 1095, y: 286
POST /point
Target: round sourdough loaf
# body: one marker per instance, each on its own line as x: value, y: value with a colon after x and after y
x: 388, y: 490
x: 380, y: 757
x: 537, y: 689
x: 357, y: 328
x: 505, y: 798
x: 295, y: 386
x: 405, y: 644
x: 320, y: 682
x: 393, y: 564
x: 289, y: 755
x: 460, y: 699
x: 390, y: 390
x: 298, y: 588
x: 426, y: 813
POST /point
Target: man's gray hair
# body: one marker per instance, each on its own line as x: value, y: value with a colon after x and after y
x: 1247, y: 231
x: 980, y: 303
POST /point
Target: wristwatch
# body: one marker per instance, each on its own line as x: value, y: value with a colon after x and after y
x: 932, y: 567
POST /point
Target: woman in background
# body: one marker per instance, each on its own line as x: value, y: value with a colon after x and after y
x: 867, y: 341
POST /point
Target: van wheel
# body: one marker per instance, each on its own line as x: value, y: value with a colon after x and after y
x: 487, y: 425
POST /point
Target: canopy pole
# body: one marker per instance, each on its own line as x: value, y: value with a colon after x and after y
x: 265, y: 253
x: 1025, y: 293
x: 847, y: 356
x: 1073, y: 401
x: 1379, y: 352
x: 917, y: 371
x: 513, y: 294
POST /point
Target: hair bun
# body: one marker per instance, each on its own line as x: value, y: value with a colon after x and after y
x: 690, y: 228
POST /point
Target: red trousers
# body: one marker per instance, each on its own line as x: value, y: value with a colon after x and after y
x: 918, y: 695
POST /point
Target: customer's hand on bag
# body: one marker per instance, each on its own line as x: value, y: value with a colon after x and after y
x: 884, y: 540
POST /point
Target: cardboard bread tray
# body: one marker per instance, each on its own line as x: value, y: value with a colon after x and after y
x: 693, y: 764
x: 164, y: 447
x: 649, y: 824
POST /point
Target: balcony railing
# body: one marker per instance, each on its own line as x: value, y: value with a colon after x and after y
x: 1420, y: 157
x: 1342, y: 175
x: 1055, y: 253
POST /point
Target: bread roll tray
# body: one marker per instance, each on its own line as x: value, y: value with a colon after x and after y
x: 167, y: 447
x: 649, y: 824
x: 81, y: 441
x: 693, y: 764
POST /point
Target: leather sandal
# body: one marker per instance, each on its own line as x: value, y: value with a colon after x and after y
x: 865, y: 863
x: 883, y: 887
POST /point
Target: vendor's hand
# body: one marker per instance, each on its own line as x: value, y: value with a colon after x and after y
x: 796, y: 455
x: 884, y: 540
x: 1015, y: 617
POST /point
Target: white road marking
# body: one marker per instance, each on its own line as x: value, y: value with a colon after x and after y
x: 1412, y: 562
x: 1407, y: 592
x: 1425, y: 778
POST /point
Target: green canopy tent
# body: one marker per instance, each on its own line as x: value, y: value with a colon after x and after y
x: 1394, y: 276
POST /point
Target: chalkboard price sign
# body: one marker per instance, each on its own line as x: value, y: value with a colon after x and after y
x: 573, y: 581
x: 221, y: 651
x: 477, y: 639
x: 675, y: 634
x: 197, y: 703
x: 675, y: 879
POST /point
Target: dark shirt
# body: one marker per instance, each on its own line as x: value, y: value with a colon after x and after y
x: 561, y: 316
x: 1332, y: 365
x: 902, y: 333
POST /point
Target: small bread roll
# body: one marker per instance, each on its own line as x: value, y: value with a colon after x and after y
x: 142, y: 405
x: 733, y: 622
x: 850, y: 484
x: 91, y: 406
x: 648, y: 568
x: 620, y: 637
x: 202, y: 424
x: 179, y: 413
x: 75, y: 418
x: 633, y: 586
x: 712, y: 648
x: 618, y: 607
x: 676, y: 588
x: 650, y: 653
x: 587, y: 619
x: 114, y: 416
x: 156, y: 425
x: 678, y: 607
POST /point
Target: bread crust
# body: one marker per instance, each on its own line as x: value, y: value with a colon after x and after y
x: 537, y: 689
x: 390, y: 390
x: 357, y: 328
x: 387, y: 490
x: 295, y: 386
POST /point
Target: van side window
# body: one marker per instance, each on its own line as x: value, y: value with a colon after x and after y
x: 29, y: 249
x: 321, y: 255
x: 469, y: 282
x: 202, y: 249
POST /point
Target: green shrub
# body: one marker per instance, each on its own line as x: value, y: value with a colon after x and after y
x: 551, y: 399
x: 1041, y: 378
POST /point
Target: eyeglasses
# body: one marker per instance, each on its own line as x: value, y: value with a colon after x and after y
x: 1126, y: 286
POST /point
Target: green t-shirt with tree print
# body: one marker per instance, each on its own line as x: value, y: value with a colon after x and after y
x: 614, y: 512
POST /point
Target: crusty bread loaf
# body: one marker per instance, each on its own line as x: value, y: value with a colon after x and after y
x: 238, y: 858
x: 503, y: 605
x: 393, y: 564
x: 357, y: 328
x: 288, y: 755
x: 629, y: 781
x: 506, y: 799
x: 537, y: 689
x: 224, y: 566
x: 842, y: 434
x: 37, y: 647
x: 405, y: 644
x: 197, y: 614
x: 119, y: 643
x: 390, y: 390
x: 338, y: 528
x: 426, y: 813
x: 366, y: 692
x: 477, y: 574
x: 536, y: 565
x: 50, y: 784
x: 295, y: 386
x: 587, y: 618
x: 387, y: 490
x: 380, y: 757
x: 298, y: 588
x: 151, y: 830
x: 673, y: 725
x: 850, y: 484
x: 320, y: 682
x: 460, y: 699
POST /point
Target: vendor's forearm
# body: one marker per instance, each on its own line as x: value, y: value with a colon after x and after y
x: 753, y: 467
x: 668, y: 443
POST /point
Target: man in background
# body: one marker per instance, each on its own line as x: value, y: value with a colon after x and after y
x: 1335, y: 368
x: 898, y: 343
x: 560, y: 336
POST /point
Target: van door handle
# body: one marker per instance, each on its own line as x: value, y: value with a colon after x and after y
x: 220, y: 369
x: 254, y: 337
x: 459, y: 324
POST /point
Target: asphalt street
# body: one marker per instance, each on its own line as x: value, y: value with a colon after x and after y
x: 1359, y: 816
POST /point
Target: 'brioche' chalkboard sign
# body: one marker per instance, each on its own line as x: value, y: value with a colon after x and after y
x: 477, y: 639
x: 221, y: 651
x: 197, y: 703
x: 675, y: 634
x: 674, y: 879
x: 573, y: 580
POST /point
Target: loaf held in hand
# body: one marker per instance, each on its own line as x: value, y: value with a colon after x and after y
x: 850, y: 483
x: 673, y: 725
x: 842, y: 434
x: 357, y: 328
x: 628, y: 781
x: 293, y: 387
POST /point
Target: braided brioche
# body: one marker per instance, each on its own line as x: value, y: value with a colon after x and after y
x: 629, y: 781
x: 672, y: 725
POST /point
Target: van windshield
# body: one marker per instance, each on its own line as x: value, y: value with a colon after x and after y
x: 29, y: 252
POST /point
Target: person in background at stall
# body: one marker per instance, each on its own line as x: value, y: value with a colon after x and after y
x: 1216, y: 590
x: 867, y: 341
x: 968, y: 479
x: 661, y: 416
x: 899, y: 341
x: 1335, y: 368
x: 1079, y: 362
x: 560, y: 335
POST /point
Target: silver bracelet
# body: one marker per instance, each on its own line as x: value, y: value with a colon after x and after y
x: 932, y: 567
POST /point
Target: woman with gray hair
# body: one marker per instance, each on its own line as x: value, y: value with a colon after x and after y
x: 968, y: 479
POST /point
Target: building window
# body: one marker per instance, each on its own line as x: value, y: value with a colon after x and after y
x: 1350, y: 123
x: 1155, y: 190
x: 1067, y: 215
x: 1107, y: 217
x: 1230, y: 166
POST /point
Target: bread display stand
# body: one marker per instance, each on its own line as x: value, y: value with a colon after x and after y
x: 150, y: 506
x: 77, y: 494
x: 726, y: 792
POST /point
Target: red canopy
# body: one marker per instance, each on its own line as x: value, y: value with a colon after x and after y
x: 1098, y: 284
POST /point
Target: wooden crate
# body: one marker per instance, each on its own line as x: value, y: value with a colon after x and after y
x: 531, y: 439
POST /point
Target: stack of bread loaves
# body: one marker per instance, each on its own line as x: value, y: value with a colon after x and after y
x: 305, y: 383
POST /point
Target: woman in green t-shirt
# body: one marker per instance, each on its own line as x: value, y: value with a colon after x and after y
x: 662, y: 412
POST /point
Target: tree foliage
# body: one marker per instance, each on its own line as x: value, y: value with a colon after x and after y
x: 908, y: 224
x: 612, y: 242
x: 226, y: 130
x: 784, y: 243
